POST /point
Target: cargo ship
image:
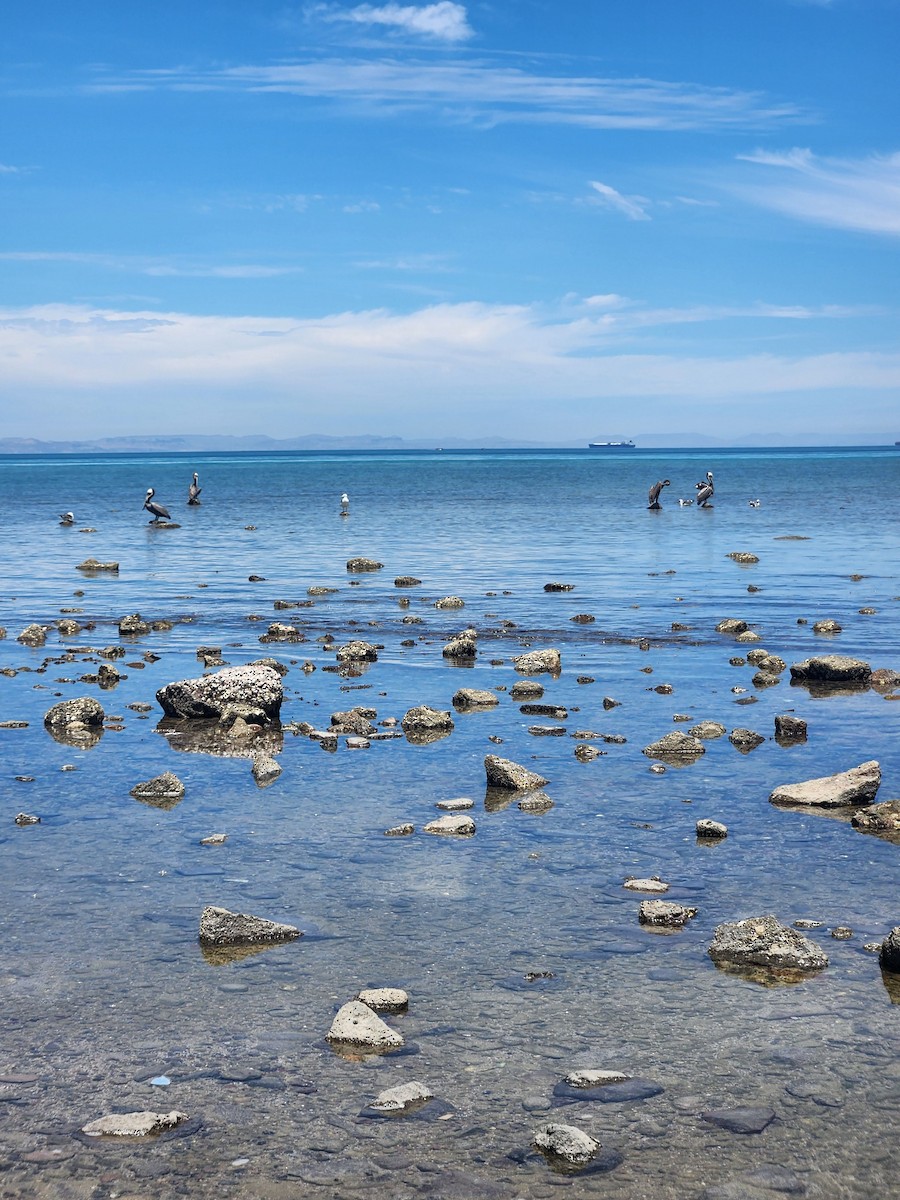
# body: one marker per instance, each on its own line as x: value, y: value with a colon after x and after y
x: 629, y: 445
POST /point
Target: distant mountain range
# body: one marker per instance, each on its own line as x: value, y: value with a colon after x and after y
x: 206, y: 443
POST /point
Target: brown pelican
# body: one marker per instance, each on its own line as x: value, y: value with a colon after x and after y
x: 194, y: 491
x: 705, y: 491
x: 158, y: 510
x: 67, y: 518
x: 654, y: 493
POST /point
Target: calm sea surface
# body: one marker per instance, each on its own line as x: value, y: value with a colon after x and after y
x: 519, y: 947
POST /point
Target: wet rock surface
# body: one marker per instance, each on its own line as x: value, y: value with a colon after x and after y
x: 765, y: 942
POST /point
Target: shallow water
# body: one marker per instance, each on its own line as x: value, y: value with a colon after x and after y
x: 105, y: 986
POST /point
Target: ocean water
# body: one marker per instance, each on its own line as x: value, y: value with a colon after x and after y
x: 519, y: 947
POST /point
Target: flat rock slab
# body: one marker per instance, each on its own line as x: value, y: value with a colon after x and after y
x: 475, y: 698
x: 355, y: 1024
x: 566, y: 1142
x: 646, y: 885
x: 621, y: 1091
x: 832, y: 668
x: 386, y: 999
x: 854, y: 787
x: 765, y: 942
x: 504, y: 773
x: 590, y: 1078
x: 211, y: 695
x: 220, y: 927
x: 740, y: 1120
x: 453, y: 825
x: 404, y: 1097
x: 133, y: 1124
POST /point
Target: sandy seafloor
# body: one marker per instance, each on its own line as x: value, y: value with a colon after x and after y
x: 104, y: 985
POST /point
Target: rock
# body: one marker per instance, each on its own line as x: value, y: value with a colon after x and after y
x: 386, y: 999
x: 790, y: 729
x: 26, y: 819
x: 400, y: 830
x: 740, y: 1120
x: 319, y: 590
x: 461, y: 647
x: 80, y: 712
x: 538, y: 661
x: 889, y: 954
x: 424, y: 718
x: 33, y: 635
x: 133, y: 625
x: 211, y: 695
x: 609, y: 702
x: 357, y: 651
x: 705, y: 828
x: 826, y: 627
x: 841, y: 933
x: 279, y: 632
x: 880, y: 818
x: 654, y: 884
x: 748, y: 636
x: 565, y: 1142
x: 742, y: 556
x: 559, y: 587
x: 458, y: 804
x: 707, y: 730
x: 854, y: 787
x: 832, y: 668
x: 592, y: 1079
x: 354, y: 721
x: 219, y: 927
x: 134, y: 1124
x: 214, y: 839
x: 265, y: 769
x: 453, y: 825
x: 68, y: 627
x: 765, y: 942
x: 676, y: 746
x: 745, y: 740
x: 585, y: 753
x: 357, y: 566
x: 355, y: 1024
x: 474, y: 698
x: 450, y: 602
x: 665, y: 912
x: 544, y: 710
x: 164, y: 791
x: 535, y: 802
x: 402, y: 1097
x: 583, y: 619
x: 503, y: 773
x: 732, y: 625
x: 772, y: 664
x: 764, y: 679
x: 885, y: 678
x: 92, y: 566
x: 526, y: 689
x: 406, y: 581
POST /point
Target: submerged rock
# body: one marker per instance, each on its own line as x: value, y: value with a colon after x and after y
x: 741, y: 1120
x: 503, y: 773
x: 765, y: 942
x: 220, y: 927
x: 832, y: 668
x: 566, y: 1142
x: 654, y: 884
x: 211, y: 695
x: 403, y: 1097
x: 133, y: 1124
x: 357, y: 566
x: 880, y: 818
x: 165, y: 791
x: 854, y: 787
x: 676, y: 746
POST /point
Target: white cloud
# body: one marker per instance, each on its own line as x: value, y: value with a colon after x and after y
x: 860, y: 194
x: 444, y: 21
x: 485, y: 93
x: 633, y: 207
x: 157, y: 268
x: 8, y: 169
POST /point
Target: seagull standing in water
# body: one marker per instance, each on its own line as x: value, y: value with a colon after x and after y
x: 194, y: 490
x: 654, y: 493
x: 67, y: 518
x: 706, y: 491
x: 753, y: 503
x: 158, y: 511
x: 345, y: 504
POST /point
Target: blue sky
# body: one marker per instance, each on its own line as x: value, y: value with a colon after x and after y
x: 552, y: 220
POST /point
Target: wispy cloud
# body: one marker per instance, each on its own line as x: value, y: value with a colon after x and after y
x: 158, y: 268
x: 861, y: 194
x: 9, y: 169
x: 484, y: 93
x: 443, y: 22
x: 633, y: 207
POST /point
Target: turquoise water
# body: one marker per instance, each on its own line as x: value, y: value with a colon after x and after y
x: 105, y: 986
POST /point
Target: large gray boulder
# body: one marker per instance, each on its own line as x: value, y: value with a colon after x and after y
x: 79, y: 712
x: 566, y: 1142
x: 676, y: 747
x: 889, y: 955
x: 357, y: 651
x: 765, y: 942
x: 832, y: 669
x: 220, y: 927
x: 211, y: 695
x: 425, y: 719
x: 537, y: 662
x: 475, y: 698
x: 854, y: 787
x: 504, y: 773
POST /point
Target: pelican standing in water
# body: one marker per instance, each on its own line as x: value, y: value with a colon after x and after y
x: 67, y: 518
x: 158, y: 511
x: 194, y: 490
x: 706, y: 491
x: 654, y: 493
x: 345, y: 505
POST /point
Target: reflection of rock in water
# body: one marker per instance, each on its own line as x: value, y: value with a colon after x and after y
x: 424, y: 737
x: 892, y: 986
x: 211, y: 737
x: 769, y: 977
x: 226, y: 956
x: 81, y: 737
